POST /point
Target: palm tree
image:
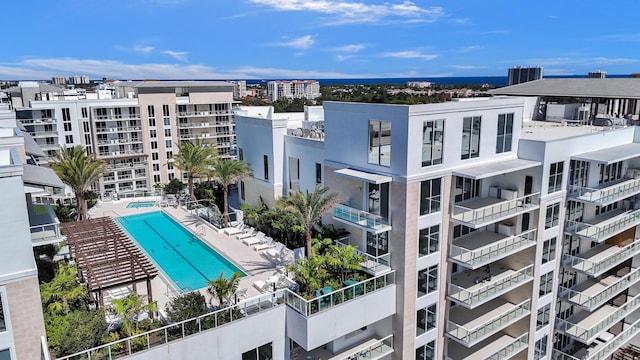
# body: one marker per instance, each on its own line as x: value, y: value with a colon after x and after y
x: 226, y: 172
x: 129, y: 308
x: 309, y: 273
x: 222, y: 288
x: 343, y: 260
x: 308, y: 208
x: 194, y: 159
x: 62, y: 290
x: 78, y: 170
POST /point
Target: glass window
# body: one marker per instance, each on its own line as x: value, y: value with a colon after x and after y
x: 85, y: 112
x: 264, y: 352
x: 156, y: 179
x: 426, y: 352
x: 5, y: 354
x: 167, y: 143
x: 471, y: 137
x: 154, y: 144
x: 152, y: 122
x: 555, y: 176
x: 430, y: 196
x: 429, y: 240
x: 318, y: 174
x: 426, y: 319
x: 546, y: 283
x: 153, y: 134
x: 266, y: 167
x: 3, y: 325
x: 610, y: 172
x: 380, y: 142
x: 165, y: 110
x: 167, y: 121
x: 240, y: 154
x: 167, y: 132
x: 241, y: 189
x: 549, y: 250
x: 466, y: 188
x: 156, y: 167
x: 432, y: 142
x: 152, y: 111
x: 544, y: 314
x: 505, y: 133
x: 553, y: 216
x: 427, y: 280
x: 540, y: 350
x: 154, y: 156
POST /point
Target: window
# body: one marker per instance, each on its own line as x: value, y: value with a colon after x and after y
x: 172, y: 176
x: 153, y: 134
x: 432, y: 142
x: 466, y: 188
x: 240, y: 154
x: 87, y: 139
x: 427, y: 280
x: 68, y: 139
x: 169, y: 154
x: 578, y: 173
x: 294, y: 173
x: 429, y: 240
x: 5, y: 354
x: 549, y: 250
x: 66, y: 116
x: 430, y: 196
x: 167, y: 121
x: 165, y: 110
x: 505, y: 133
x: 380, y: 142
x: 156, y: 179
x: 154, y: 156
x: 471, y: 137
x: 546, y: 283
x: 169, y: 166
x: 167, y: 143
x: 555, y: 177
x: 553, y: 216
x: 318, y: 174
x: 85, y: 126
x: 544, y: 314
x: 167, y: 132
x: 152, y: 122
x: 426, y: 319
x: 540, y: 350
x: 67, y: 126
x: 264, y: 352
x: 154, y: 144
x: 265, y: 159
x: 610, y: 172
x: 85, y: 112
x: 152, y: 112
x: 606, y: 209
x: 3, y: 324
x: 461, y: 230
x: 426, y: 352
x: 156, y: 167
x: 242, y: 190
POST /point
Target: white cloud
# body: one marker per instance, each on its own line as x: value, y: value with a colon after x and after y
x: 178, y: 55
x: 146, y: 50
x: 356, y: 12
x: 303, y: 42
x: 410, y: 54
x: 344, y: 57
x: 468, y: 67
x: 353, y: 48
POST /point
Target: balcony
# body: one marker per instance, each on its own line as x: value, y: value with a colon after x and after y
x: 480, y: 212
x: 360, y: 218
x: 586, y: 326
x: 607, y: 193
x: 473, y: 288
x: 44, y: 134
x: 498, y: 347
x: 315, y: 322
x: 592, y: 293
x: 371, y: 349
x: 126, y: 165
x: 600, y: 349
x: 470, y: 327
x: 374, y: 265
x: 604, y: 226
x: 44, y: 225
x: 601, y: 258
x: 484, y: 247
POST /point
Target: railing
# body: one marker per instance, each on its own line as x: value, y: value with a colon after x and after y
x: 327, y: 301
x: 51, y: 133
x: 493, y: 251
x: 180, y: 330
x: 605, y: 351
x: 586, y: 334
x: 605, y: 229
x: 360, y: 217
x: 44, y: 349
x: 371, y: 262
x: 126, y: 165
x: 606, y: 195
x: 496, y: 211
x: 521, y: 342
x: 375, y: 350
x: 595, y: 268
x: 592, y: 301
x: 479, y: 332
x: 108, y: 178
x: 492, y: 289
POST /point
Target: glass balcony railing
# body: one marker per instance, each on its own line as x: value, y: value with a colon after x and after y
x: 596, y: 265
x: 605, y: 229
x: 592, y: 301
x: 44, y: 226
x: 471, y: 336
x: 494, y: 251
x: 606, y: 195
x: 519, y: 344
x: 488, y: 214
x: 374, y: 350
x: 360, y: 217
x: 601, y: 352
x: 484, y: 291
x: 587, y: 333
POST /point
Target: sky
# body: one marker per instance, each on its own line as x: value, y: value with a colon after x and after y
x: 315, y: 39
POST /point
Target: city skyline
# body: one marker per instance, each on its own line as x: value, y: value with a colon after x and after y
x: 267, y: 39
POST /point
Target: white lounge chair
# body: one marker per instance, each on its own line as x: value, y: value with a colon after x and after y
x: 248, y: 232
x: 260, y: 285
x: 264, y: 245
x: 251, y: 241
x: 230, y: 231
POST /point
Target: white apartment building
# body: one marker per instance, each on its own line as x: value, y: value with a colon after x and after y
x: 294, y: 89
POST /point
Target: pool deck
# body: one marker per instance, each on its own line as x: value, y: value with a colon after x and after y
x: 249, y: 261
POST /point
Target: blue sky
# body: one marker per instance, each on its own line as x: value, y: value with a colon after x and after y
x: 267, y: 39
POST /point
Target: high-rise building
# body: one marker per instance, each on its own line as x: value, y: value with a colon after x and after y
x: 59, y: 80
x: 294, y: 89
x: 597, y: 74
x: 519, y: 74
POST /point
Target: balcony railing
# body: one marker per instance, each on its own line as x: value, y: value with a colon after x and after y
x: 492, y: 213
x: 375, y: 350
x: 519, y: 344
x: 41, y: 134
x: 372, y: 264
x: 601, y: 352
x: 327, y: 301
x: 606, y: 195
x: 605, y: 229
x: 593, y: 301
x: 485, y: 291
x: 596, y: 267
x: 361, y: 218
x: 126, y: 165
x: 587, y: 334
x: 494, y: 251
x: 471, y: 336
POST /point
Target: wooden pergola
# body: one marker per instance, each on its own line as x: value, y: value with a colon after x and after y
x: 106, y: 257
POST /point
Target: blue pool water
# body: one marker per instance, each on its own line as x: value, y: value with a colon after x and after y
x: 141, y: 204
x: 180, y: 255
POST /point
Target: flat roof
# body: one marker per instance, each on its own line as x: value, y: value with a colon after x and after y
x: 626, y: 88
x: 548, y: 131
x: 364, y: 176
x: 497, y: 167
x: 40, y: 175
x: 611, y: 155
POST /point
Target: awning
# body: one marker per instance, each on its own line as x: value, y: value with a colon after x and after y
x: 486, y: 170
x: 40, y: 175
x: 31, y: 147
x: 611, y: 155
x: 364, y: 176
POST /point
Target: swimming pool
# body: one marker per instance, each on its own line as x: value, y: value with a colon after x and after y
x: 180, y: 255
x: 141, y: 204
